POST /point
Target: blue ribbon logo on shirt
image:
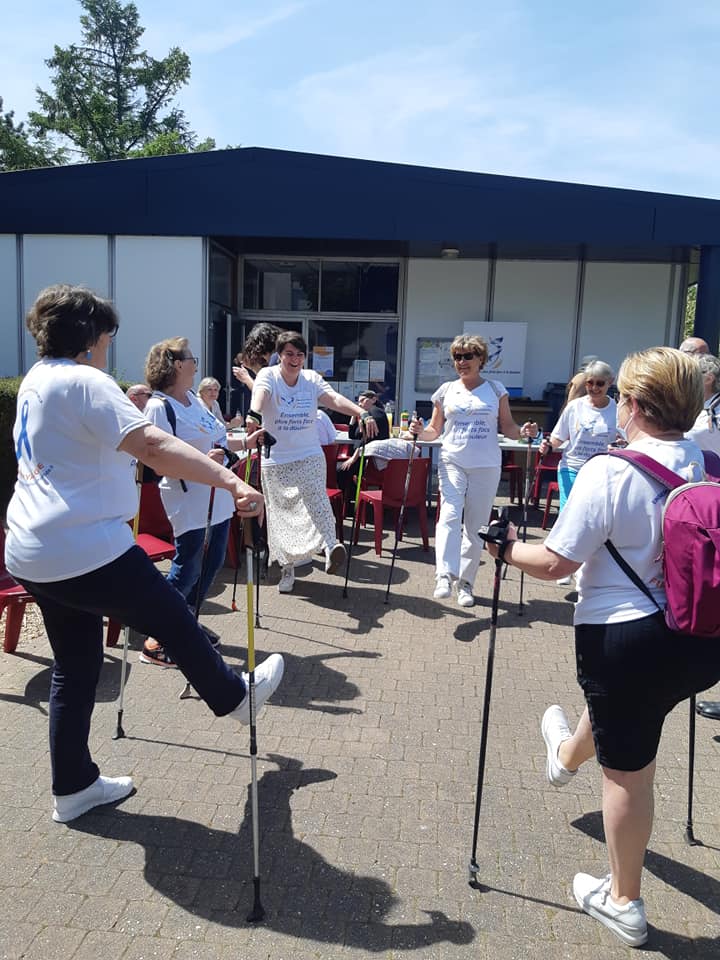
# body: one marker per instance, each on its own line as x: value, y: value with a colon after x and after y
x: 23, y: 439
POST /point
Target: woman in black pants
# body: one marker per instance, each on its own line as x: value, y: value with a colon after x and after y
x: 76, y: 437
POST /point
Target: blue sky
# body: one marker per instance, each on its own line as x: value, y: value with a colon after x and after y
x: 618, y: 93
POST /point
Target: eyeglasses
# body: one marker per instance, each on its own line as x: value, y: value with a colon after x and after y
x: 194, y: 360
x: 457, y: 357
x: 113, y: 331
x: 595, y: 383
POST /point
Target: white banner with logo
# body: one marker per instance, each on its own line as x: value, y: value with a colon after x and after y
x: 506, y: 350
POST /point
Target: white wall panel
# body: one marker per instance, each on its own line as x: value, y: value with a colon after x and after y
x: 159, y: 293
x: 9, y: 308
x: 625, y: 307
x: 441, y: 296
x: 61, y: 259
x: 542, y: 294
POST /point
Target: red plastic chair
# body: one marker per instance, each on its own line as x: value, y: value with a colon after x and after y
x: 155, y: 537
x: 514, y: 474
x: 545, y: 471
x: 332, y: 488
x: 391, y: 494
x: 13, y: 598
x: 551, y: 489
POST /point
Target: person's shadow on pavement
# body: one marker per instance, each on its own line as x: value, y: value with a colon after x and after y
x: 303, y: 894
x: 686, y: 880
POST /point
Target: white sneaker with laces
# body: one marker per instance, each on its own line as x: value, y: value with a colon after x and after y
x: 628, y: 922
x: 267, y: 679
x: 443, y: 587
x: 464, y: 594
x: 287, y: 579
x: 335, y: 558
x: 555, y: 730
x: 104, y: 790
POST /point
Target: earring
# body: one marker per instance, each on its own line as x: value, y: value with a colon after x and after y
x: 88, y: 354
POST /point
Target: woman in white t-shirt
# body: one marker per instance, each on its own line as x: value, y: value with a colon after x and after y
x: 300, y: 520
x: 633, y: 670
x: 69, y: 542
x: 706, y: 429
x: 170, y: 371
x: 471, y: 410
x: 208, y: 391
x: 586, y: 426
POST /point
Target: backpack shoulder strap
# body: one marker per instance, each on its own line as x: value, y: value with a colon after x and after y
x: 629, y: 572
x: 668, y: 478
x: 170, y: 414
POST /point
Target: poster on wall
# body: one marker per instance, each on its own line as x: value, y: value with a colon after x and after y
x: 323, y: 360
x: 506, y: 350
x: 433, y: 363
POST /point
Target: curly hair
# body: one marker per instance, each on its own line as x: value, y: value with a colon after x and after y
x: 259, y: 344
x: 160, y: 371
x: 67, y: 320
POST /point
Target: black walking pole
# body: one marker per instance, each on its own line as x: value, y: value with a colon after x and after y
x: 257, y: 914
x: 689, y: 835
x: 401, y: 516
x: 357, y: 514
x: 525, y: 517
x: 495, y: 532
x: 187, y: 689
x: 119, y: 732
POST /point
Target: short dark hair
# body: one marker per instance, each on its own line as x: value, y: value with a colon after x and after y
x: 293, y: 338
x: 66, y: 320
x: 259, y: 343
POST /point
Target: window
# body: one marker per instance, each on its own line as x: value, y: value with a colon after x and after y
x: 359, y: 340
x: 222, y: 268
x: 281, y: 285
x: 359, y: 287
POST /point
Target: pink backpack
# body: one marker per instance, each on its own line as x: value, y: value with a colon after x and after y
x: 691, y: 547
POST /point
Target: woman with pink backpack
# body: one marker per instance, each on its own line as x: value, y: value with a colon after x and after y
x: 633, y: 667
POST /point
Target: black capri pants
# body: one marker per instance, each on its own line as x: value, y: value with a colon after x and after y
x: 633, y: 674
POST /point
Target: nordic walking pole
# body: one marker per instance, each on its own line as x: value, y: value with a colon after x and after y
x: 257, y: 913
x: 689, y: 835
x: 495, y: 532
x: 525, y: 517
x: 268, y: 442
x: 401, y: 515
x: 119, y: 732
x: 187, y: 689
x: 357, y: 514
x: 233, y: 605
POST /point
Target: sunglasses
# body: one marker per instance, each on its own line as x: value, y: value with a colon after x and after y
x: 595, y: 383
x: 464, y: 356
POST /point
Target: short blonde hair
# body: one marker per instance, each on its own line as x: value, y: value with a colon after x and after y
x: 469, y: 342
x: 207, y: 383
x: 160, y: 372
x: 666, y: 384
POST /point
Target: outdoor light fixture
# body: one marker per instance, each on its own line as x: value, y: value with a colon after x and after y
x: 449, y: 253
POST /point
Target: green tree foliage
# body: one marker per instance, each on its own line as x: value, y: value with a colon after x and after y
x: 18, y: 151
x: 111, y: 99
x: 690, y: 302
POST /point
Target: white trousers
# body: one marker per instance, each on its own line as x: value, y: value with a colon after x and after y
x: 467, y: 500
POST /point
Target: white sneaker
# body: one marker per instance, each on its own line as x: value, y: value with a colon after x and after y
x: 464, y: 594
x: 335, y: 558
x: 104, y: 790
x: 267, y: 679
x: 443, y: 587
x: 287, y: 579
x: 564, y: 581
x: 555, y: 730
x: 628, y: 922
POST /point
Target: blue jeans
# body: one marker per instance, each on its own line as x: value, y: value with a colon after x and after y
x: 187, y: 563
x: 131, y: 590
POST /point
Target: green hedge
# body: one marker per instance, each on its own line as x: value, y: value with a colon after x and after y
x: 8, y: 461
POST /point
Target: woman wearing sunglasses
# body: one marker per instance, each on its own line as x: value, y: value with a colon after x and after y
x: 586, y: 426
x: 471, y: 410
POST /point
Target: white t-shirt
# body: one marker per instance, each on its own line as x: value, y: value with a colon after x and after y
x: 325, y: 428
x: 471, y: 423
x: 615, y: 500
x: 75, y: 491
x: 587, y: 429
x: 198, y: 427
x: 290, y: 413
x: 706, y: 429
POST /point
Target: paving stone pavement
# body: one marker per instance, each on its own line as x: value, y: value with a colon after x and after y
x: 367, y: 766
